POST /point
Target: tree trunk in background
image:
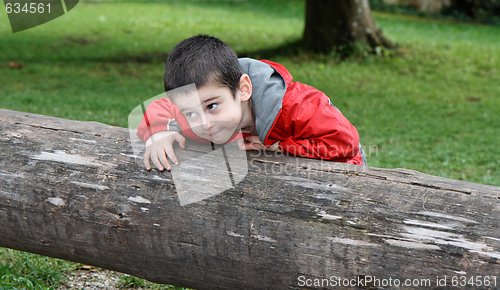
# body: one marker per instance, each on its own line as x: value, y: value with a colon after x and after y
x: 340, y: 24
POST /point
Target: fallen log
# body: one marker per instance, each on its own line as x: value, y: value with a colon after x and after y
x: 72, y: 190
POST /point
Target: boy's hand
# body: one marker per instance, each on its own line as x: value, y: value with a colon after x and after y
x: 159, y: 147
x: 251, y: 143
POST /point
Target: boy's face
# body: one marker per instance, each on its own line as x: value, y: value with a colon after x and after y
x: 213, y: 112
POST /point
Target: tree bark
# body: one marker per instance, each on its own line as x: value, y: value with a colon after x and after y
x: 72, y: 190
x: 341, y: 24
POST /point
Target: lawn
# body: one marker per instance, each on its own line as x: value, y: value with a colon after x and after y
x: 432, y: 106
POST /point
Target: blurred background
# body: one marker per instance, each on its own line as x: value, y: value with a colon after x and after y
x: 424, y: 92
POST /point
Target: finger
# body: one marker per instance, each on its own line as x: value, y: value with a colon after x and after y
x: 147, y: 156
x: 163, y: 159
x: 253, y: 143
x: 156, y: 161
x: 258, y: 146
x: 171, y: 154
x: 181, y: 140
x: 253, y: 139
x: 253, y: 146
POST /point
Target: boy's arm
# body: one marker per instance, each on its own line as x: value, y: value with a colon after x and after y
x: 160, y: 127
x: 318, y: 129
x: 161, y: 115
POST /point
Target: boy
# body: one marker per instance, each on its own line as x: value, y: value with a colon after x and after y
x: 230, y: 94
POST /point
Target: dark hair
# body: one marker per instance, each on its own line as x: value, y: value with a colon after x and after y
x: 202, y: 60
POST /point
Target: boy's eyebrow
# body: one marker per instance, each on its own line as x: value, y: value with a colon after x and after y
x: 210, y: 99
x: 204, y: 102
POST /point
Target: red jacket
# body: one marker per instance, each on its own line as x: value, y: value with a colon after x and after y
x: 297, y: 116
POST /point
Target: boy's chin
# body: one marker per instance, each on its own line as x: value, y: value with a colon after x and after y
x: 220, y: 139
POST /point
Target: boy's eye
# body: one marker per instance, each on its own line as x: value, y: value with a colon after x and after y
x: 212, y: 106
x: 191, y: 115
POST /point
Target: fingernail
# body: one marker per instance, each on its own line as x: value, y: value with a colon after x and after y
x: 148, y: 169
x: 176, y: 163
x: 168, y: 169
x: 161, y: 169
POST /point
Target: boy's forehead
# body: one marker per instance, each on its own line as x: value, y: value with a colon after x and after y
x: 190, y: 96
x: 189, y: 100
x: 185, y: 97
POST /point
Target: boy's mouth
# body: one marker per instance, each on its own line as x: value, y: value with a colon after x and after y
x: 214, y: 133
x: 220, y: 136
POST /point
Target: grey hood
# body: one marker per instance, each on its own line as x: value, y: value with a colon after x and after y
x: 268, y: 89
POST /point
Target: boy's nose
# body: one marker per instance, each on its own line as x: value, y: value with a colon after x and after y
x: 206, y: 124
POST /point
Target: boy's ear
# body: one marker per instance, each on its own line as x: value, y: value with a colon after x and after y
x: 245, y: 88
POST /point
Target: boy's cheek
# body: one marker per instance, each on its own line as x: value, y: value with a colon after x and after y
x: 232, y: 115
x: 198, y: 131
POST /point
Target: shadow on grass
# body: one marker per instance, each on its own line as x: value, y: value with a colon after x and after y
x: 145, y: 58
x: 291, y: 49
x: 294, y: 50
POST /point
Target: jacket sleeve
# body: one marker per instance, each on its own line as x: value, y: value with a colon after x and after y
x: 160, y: 115
x: 318, y: 129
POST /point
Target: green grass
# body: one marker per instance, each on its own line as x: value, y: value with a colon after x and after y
x: 28, y: 271
x: 127, y: 282
x: 433, y: 106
